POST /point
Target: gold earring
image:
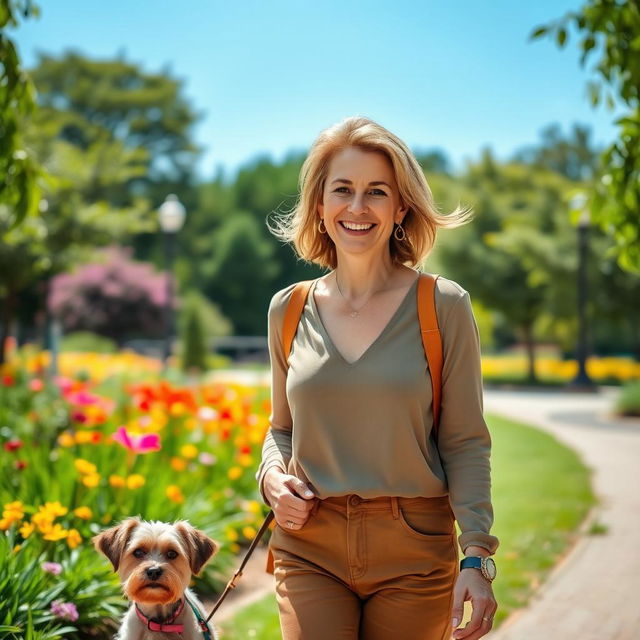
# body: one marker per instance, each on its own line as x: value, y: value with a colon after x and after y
x: 321, y: 225
x: 395, y: 233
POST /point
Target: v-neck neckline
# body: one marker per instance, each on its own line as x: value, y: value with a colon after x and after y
x: 390, y: 323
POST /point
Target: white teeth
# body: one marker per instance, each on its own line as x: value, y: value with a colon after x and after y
x: 356, y: 227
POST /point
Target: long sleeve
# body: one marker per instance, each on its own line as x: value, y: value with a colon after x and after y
x: 276, y: 449
x: 464, y: 441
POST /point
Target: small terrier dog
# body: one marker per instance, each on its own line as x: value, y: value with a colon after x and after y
x: 155, y: 562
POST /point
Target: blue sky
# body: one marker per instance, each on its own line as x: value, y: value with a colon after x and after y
x: 269, y: 76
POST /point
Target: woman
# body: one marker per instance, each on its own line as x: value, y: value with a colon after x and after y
x: 364, y: 498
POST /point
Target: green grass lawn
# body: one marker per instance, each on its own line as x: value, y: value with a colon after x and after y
x: 541, y: 493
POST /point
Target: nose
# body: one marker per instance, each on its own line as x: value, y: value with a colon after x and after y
x: 357, y: 203
x: 153, y: 573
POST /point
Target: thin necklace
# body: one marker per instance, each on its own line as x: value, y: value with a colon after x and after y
x: 354, y: 313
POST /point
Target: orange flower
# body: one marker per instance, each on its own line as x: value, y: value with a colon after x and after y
x: 84, y: 513
x: 117, y: 481
x: 73, y: 538
x: 174, y: 493
x: 178, y: 464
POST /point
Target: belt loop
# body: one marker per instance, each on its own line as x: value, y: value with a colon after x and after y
x: 394, y: 507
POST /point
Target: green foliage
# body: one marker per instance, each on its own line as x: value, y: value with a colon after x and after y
x: 27, y: 591
x: 628, y: 402
x: 88, y: 342
x: 194, y: 341
x: 610, y: 30
x: 19, y: 170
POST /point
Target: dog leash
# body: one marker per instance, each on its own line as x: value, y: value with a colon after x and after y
x: 238, y: 574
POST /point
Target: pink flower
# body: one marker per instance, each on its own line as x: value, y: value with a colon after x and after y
x: 52, y: 567
x: 65, y: 610
x: 207, y: 459
x: 137, y: 444
x: 36, y: 384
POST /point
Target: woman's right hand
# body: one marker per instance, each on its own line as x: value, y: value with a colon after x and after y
x: 289, y: 497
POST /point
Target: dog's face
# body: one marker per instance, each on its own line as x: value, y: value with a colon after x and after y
x: 155, y: 560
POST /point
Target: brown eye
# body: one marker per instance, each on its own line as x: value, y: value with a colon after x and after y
x: 139, y: 553
x: 171, y: 554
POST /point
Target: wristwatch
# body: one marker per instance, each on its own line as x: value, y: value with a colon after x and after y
x: 486, y: 565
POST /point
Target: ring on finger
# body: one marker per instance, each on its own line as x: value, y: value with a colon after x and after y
x: 290, y: 524
x: 488, y: 619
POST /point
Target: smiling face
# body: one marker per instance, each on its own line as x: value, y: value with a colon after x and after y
x: 360, y: 192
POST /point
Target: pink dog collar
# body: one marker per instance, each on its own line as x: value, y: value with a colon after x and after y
x: 166, y: 627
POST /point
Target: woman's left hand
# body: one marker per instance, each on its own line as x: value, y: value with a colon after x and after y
x: 471, y: 585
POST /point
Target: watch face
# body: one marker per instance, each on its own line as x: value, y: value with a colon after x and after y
x: 490, y: 567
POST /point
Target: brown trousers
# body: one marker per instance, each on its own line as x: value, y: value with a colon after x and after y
x: 368, y: 569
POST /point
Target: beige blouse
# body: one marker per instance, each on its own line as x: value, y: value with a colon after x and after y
x: 366, y: 427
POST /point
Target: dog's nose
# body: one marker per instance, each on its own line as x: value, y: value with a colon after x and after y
x: 153, y: 573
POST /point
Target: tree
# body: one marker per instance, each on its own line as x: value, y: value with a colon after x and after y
x: 611, y: 29
x: 115, y: 101
x: 19, y: 171
x: 573, y: 156
x: 117, y: 298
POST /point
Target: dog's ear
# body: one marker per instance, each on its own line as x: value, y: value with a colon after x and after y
x: 112, y: 542
x: 199, y: 545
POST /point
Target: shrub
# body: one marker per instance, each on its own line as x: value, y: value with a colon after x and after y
x: 628, y: 403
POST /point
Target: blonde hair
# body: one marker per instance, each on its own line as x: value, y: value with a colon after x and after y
x: 422, y: 219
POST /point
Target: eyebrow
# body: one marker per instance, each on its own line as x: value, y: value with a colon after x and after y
x: 371, y: 184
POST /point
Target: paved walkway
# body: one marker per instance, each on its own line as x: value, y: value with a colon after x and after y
x: 591, y: 594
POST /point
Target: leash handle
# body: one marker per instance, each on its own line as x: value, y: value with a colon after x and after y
x: 238, y: 574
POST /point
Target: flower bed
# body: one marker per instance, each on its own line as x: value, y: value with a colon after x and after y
x: 81, y: 454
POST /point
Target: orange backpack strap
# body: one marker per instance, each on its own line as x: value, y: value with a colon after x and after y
x: 431, y: 339
x: 292, y: 314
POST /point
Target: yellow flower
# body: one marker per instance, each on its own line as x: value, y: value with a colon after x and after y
x: 26, y: 529
x: 55, y: 509
x: 17, y: 548
x: 66, y: 439
x: 117, y: 481
x: 178, y: 464
x: 234, y: 473
x: 84, y: 513
x: 231, y: 534
x: 43, y: 520
x: 245, y: 459
x: 189, y: 451
x: 191, y: 424
x: 253, y: 506
x: 235, y: 547
x: 92, y: 480
x: 84, y: 466
x: 83, y: 437
x: 56, y: 533
x: 135, y: 481
x: 174, y: 493
x: 177, y: 409
x: 13, y: 512
x: 249, y: 532
x: 73, y: 538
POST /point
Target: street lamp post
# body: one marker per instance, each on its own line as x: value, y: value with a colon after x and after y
x: 579, y: 203
x: 171, y: 215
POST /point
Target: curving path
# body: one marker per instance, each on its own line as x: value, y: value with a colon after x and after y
x: 592, y: 593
